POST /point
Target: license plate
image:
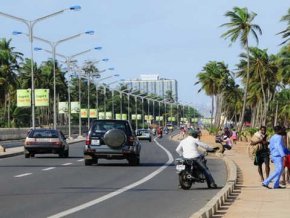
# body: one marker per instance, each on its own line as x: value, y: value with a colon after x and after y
x: 180, y: 167
x: 95, y: 142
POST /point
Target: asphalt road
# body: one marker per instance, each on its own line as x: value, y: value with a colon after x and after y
x: 46, y: 185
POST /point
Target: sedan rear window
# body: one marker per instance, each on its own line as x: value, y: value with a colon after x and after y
x: 43, y: 134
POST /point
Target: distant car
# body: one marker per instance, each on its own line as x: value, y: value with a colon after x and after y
x: 144, y: 134
x: 45, y: 141
x: 112, y: 139
x: 169, y: 126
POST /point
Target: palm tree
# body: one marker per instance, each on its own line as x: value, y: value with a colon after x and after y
x: 263, y: 79
x: 286, y: 32
x: 8, y: 77
x: 284, y: 64
x: 239, y: 28
x: 282, y: 100
x: 213, y: 80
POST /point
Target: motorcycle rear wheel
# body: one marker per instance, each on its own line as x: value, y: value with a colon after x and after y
x: 184, y: 182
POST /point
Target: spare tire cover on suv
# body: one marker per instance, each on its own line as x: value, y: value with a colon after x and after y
x: 115, y: 138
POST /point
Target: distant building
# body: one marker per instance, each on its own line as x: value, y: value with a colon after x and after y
x: 153, y: 84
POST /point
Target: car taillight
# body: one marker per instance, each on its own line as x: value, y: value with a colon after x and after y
x: 29, y: 143
x: 57, y: 143
x: 88, y: 140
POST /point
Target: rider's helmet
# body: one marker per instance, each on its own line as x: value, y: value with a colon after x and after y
x: 192, y: 133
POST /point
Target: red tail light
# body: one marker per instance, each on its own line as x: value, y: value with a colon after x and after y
x: 88, y: 140
x: 57, y: 143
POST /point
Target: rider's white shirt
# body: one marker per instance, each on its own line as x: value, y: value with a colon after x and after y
x: 188, y: 147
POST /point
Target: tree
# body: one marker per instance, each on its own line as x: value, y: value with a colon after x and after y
x: 286, y: 32
x: 213, y: 80
x: 239, y: 28
x: 8, y: 77
x: 263, y: 80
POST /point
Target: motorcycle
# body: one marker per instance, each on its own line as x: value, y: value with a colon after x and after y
x: 189, y: 172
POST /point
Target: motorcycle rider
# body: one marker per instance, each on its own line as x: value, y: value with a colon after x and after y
x: 188, y: 148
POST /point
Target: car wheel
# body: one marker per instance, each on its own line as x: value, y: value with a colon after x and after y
x: 32, y: 155
x: 150, y: 140
x: 66, y: 153
x: 27, y: 155
x: 88, y: 162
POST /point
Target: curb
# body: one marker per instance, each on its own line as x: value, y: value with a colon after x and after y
x: 220, y: 198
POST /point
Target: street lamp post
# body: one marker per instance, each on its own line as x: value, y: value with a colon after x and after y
x: 142, y: 98
x: 112, y: 92
x: 53, y: 46
x: 30, y: 24
x: 69, y: 60
x: 159, y: 113
x: 88, y: 77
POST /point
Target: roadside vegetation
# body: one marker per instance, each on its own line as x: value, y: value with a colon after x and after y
x: 262, y: 96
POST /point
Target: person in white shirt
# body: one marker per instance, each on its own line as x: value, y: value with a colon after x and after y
x: 188, y: 148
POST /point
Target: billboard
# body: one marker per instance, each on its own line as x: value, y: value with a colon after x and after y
x: 41, y: 97
x: 62, y: 107
x: 23, y: 97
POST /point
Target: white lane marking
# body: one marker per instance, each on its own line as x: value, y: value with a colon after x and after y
x: 66, y: 164
x: 49, y: 168
x: 119, y: 191
x: 22, y: 175
x: 80, y: 160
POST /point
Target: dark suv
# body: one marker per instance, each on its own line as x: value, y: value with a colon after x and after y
x: 112, y: 139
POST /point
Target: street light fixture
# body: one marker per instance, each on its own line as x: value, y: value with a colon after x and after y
x: 53, y: 46
x: 108, y: 85
x: 142, y: 98
x: 69, y: 60
x: 30, y: 24
x: 105, y: 88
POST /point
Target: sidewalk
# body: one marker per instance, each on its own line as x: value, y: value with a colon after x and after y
x: 249, y: 199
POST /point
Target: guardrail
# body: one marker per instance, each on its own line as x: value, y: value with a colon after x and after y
x: 20, y: 133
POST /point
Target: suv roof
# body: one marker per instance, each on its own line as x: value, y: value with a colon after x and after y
x: 102, y: 126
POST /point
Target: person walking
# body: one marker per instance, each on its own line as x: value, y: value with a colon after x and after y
x: 234, y: 136
x: 261, y: 152
x: 277, y: 152
x: 286, y: 163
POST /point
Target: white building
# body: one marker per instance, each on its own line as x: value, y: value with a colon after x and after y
x: 153, y: 84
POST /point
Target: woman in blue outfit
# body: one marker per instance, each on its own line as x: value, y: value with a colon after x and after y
x: 277, y: 154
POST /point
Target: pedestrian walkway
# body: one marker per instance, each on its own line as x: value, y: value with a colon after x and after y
x: 250, y: 199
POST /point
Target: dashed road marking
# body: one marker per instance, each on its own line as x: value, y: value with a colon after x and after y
x: 119, y: 191
x: 49, y: 168
x: 81, y: 160
x: 66, y: 164
x: 22, y: 175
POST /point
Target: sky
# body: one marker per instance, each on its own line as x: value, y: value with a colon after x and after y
x: 171, y: 38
